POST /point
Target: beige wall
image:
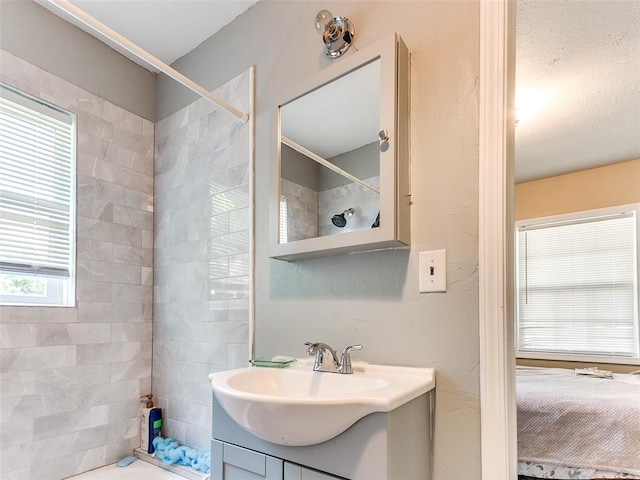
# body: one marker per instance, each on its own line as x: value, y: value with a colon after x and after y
x: 616, y: 184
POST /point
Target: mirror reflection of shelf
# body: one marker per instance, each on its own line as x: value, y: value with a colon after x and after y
x: 326, y: 163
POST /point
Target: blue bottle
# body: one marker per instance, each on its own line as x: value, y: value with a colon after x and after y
x: 150, y: 428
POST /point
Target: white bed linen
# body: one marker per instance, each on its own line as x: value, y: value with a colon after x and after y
x: 577, y: 421
x: 562, y: 472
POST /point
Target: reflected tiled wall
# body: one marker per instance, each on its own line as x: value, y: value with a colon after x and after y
x: 302, y: 210
x: 202, y: 225
x: 365, y: 202
x: 309, y: 213
x: 71, y: 378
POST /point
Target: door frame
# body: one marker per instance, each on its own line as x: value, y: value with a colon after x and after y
x: 497, y: 353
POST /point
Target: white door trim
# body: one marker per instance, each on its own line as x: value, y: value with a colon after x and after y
x: 497, y: 356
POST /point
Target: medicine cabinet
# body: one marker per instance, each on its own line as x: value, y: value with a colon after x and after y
x: 342, y: 182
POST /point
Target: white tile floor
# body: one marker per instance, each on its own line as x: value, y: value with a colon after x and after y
x: 138, y: 470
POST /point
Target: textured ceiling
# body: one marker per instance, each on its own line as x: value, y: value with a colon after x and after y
x: 581, y: 59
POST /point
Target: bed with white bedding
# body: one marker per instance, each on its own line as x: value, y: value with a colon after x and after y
x: 577, y: 427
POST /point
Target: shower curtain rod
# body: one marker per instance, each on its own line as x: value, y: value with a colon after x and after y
x: 99, y: 27
x: 317, y: 158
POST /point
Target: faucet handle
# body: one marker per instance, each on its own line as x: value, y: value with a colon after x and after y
x: 345, y: 360
x: 348, y: 348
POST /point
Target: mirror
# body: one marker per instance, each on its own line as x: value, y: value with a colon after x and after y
x: 342, y: 139
x: 329, y: 157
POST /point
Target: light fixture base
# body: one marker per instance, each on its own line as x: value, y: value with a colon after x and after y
x: 337, y: 33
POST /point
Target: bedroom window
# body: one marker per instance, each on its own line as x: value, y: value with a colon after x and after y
x: 37, y: 201
x: 577, y: 286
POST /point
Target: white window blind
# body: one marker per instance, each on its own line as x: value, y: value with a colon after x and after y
x: 577, y: 286
x: 37, y: 193
x: 284, y: 219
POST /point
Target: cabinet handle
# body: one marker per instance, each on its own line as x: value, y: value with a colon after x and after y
x: 383, y: 136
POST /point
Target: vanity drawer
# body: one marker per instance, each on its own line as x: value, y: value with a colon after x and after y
x: 229, y: 462
x: 298, y: 472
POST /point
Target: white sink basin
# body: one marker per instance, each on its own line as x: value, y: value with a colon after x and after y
x: 296, y: 406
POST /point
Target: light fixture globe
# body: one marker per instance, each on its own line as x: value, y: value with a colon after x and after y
x: 323, y: 19
x: 337, y: 33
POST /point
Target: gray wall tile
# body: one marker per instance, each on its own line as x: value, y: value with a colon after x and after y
x: 201, y: 259
x: 16, y: 433
x: 72, y: 334
x: 16, y: 336
x: 71, y: 378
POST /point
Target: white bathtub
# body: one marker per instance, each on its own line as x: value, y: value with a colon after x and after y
x: 138, y: 470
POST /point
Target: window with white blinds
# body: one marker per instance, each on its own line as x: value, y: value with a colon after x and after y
x: 37, y: 197
x: 577, y: 290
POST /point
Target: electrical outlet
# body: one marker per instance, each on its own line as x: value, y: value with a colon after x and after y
x: 432, y: 271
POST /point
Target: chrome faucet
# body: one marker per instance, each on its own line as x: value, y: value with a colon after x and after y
x: 327, y: 360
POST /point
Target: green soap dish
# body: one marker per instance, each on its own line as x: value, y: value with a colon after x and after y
x: 267, y: 362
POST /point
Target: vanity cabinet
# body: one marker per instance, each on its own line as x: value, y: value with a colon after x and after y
x: 379, y: 446
x: 229, y: 462
x: 297, y: 472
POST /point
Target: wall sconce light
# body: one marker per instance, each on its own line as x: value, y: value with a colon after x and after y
x: 337, y: 33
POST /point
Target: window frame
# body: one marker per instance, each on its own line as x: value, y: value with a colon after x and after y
x: 55, y: 296
x: 61, y: 292
x: 577, y: 216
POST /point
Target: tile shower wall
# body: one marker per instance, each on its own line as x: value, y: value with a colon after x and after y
x: 309, y: 213
x: 71, y: 378
x: 202, y: 225
x: 365, y: 203
x: 302, y: 210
